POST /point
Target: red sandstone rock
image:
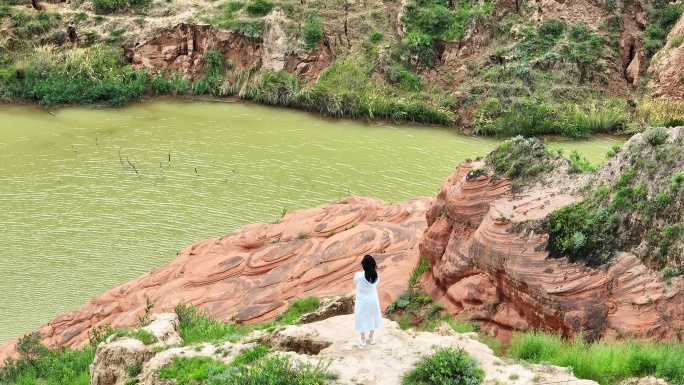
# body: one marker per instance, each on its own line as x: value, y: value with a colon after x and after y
x: 480, y: 264
x: 253, y: 274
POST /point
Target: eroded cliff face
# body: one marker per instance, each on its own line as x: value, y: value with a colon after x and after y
x: 254, y: 273
x: 666, y: 73
x: 489, y: 261
x: 181, y: 50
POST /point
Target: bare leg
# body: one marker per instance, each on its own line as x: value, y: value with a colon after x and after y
x: 370, y: 335
x: 363, y: 336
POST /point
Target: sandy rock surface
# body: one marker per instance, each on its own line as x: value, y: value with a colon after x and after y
x: 334, y: 340
x: 115, y: 357
x: 254, y: 273
x: 396, y: 351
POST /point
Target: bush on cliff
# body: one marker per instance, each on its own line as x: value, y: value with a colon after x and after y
x: 638, y: 208
x: 523, y: 160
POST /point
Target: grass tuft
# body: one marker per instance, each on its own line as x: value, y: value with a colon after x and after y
x: 198, y: 326
x: 604, y: 363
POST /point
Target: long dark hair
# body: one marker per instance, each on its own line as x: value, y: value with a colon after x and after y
x: 369, y: 267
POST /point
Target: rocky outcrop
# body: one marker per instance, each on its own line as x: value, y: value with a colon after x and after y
x: 118, y: 357
x: 337, y: 306
x: 253, y: 274
x: 488, y: 260
x: 181, y: 49
x: 666, y: 69
x: 396, y: 352
x: 334, y: 339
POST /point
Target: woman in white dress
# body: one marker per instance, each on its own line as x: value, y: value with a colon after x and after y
x: 367, y: 306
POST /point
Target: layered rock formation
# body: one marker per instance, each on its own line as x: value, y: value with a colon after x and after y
x: 489, y: 260
x: 254, y: 273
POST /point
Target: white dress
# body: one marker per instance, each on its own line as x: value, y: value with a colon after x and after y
x: 367, y: 306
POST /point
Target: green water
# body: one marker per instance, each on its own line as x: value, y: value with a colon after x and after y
x: 76, y: 219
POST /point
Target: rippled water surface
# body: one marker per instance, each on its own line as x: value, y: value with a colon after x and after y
x: 91, y: 198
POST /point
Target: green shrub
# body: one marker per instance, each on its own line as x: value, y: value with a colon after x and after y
x: 663, y: 15
x: 298, y: 308
x: 251, y: 355
x: 584, y: 49
x: 234, y: 6
x: 312, y: 32
x: 191, y: 370
x: 259, y: 7
x: 109, y: 6
x: 598, y: 117
x: 95, y: 75
x: 38, y: 364
x: 144, y: 336
x: 445, y: 367
x: 405, y: 79
x: 578, y: 163
x: 613, y: 151
x: 159, y: 85
x: 583, y: 232
x: 662, y: 112
x: 521, y: 159
x: 196, y: 326
x: 253, y: 29
x: 376, y: 37
x: 275, y: 370
x: 275, y: 89
x: 677, y: 41
x: 656, y: 136
x: 523, y: 116
x: 552, y: 28
x: 418, y: 48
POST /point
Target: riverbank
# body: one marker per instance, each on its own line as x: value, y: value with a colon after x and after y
x: 490, y: 69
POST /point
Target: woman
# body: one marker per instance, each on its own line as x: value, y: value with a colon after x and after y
x: 367, y: 306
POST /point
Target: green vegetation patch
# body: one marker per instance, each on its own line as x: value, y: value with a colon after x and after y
x: 312, y: 31
x: 641, y: 204
x: 345, y: 89
x: 53, y: 76
x: 274, y: 370
x: 583, y: 232
x: 523, y: 160
x: 542, y: 85
x: 225, y: 17
x: 251, y: 355
x: 39, y: 365
x: 259, y: 7
x: 445, y: 367
x: 662, y: 16
x: 604, y: 363
x: 144, y: 336
x: 298, y: 308
x: 198, y: 326
x: 427, y: 21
